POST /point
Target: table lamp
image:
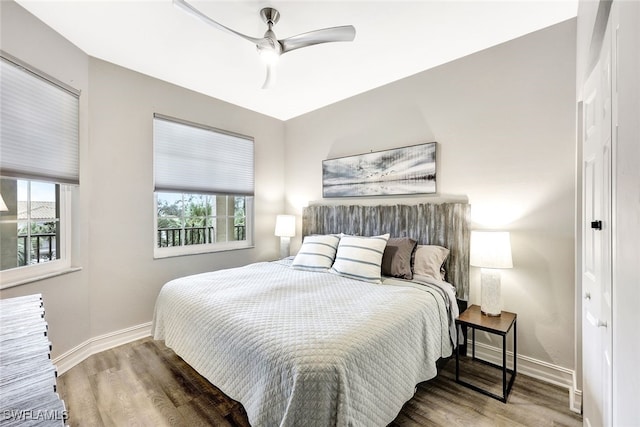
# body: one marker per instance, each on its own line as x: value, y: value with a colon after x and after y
x: 491, y: 251
x: 285, y: 229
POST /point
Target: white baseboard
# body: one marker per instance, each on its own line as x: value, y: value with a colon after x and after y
x: 71, y: 358
x: 575, y: 397
x: 535, y: 368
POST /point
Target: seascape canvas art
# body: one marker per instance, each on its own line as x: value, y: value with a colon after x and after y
x: 399, y: 171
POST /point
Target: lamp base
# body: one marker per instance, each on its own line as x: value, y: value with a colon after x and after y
x: 489, y: 314
x: 284, y: 247
x: 490, y: 293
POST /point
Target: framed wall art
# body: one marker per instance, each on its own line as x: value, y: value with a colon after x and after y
x: 399, y: 171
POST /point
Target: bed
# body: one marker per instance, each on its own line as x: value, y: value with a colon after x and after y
x: 298, y: 346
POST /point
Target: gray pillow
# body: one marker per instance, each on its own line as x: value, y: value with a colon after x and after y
x: 396, y: 260
x: 428, y: 261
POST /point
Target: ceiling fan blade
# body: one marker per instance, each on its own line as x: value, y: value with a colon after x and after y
x: 345, y: 33
x: 182, y: 4
x: 271, y: 76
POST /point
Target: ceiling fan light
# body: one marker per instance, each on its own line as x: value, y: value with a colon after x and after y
x: 269, y: 56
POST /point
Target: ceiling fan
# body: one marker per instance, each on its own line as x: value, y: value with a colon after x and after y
x: 269, y: 47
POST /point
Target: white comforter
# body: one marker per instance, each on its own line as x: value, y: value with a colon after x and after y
x: 305, y: 348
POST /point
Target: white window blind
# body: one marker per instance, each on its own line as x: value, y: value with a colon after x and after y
x: 194, y: 158
x: 38, y: 125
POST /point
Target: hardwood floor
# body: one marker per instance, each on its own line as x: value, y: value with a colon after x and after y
x: 144, y: 383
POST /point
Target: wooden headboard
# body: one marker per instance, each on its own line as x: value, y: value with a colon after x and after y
x: 445, y: 224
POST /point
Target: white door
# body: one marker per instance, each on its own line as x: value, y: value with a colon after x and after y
x: 596, y: 262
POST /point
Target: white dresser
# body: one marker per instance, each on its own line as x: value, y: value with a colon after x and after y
x: 28, y: 394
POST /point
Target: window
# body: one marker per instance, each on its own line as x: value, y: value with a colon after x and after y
x: 203, y: 188
x: 30, y: 227
x: 38, y: 167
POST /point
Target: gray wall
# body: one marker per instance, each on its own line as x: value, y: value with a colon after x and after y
x: 113, y: 207
x: 121, y: 108
x: 504, y: 119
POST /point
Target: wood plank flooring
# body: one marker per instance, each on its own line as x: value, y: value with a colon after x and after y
x: 144, y: 383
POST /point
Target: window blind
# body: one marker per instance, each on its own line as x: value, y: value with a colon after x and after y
x: 38, y: 126
x: 198, y: 159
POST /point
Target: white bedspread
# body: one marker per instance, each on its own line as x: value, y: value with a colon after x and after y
x: 305, y: 348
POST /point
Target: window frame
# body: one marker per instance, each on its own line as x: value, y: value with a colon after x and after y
x: 67, y: 193
x: 62, y: 264
x: 173, y: 251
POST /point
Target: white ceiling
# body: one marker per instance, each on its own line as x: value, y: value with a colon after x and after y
x: 394, y: 39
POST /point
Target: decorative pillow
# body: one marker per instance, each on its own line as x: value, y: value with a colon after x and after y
x: 317, y: 253
x: 428, y: 260
x: 360, y: 257
x: 396, y: 260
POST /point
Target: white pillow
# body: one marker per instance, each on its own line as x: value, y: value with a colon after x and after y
x: 360, y: 257
x: 317, y: 253
x: 428, y: 260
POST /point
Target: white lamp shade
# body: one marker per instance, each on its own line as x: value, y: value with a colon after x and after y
x: 491, y: 249
x: 285, y: 226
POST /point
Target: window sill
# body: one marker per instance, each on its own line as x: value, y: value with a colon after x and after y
x: 40, y: 277
x: 197, y: 250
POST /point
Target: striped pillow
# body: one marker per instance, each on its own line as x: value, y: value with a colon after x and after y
x: 360, y: 257
x: 317, y: 253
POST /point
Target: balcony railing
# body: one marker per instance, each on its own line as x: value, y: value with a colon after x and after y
x: 193, y: 235
x: 240, y: 232
x: 41, y: 249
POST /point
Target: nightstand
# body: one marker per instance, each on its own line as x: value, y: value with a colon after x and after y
x: 499, y: 325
